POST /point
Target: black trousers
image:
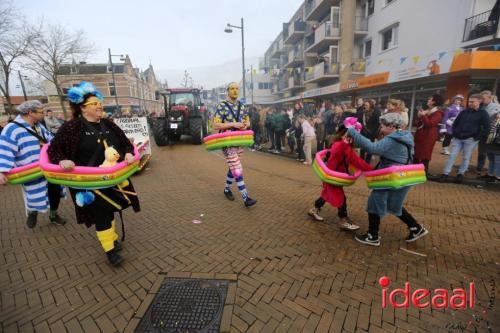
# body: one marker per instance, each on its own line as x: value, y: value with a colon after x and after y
x: 300, y: 148
x: 54, y: 194
x: 342, y: 211
x: 277, y: 139
x: 374, y: 221
x: 447, y: 140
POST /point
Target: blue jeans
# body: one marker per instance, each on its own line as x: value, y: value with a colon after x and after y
x: 457, y: 146
x: 494, y: 165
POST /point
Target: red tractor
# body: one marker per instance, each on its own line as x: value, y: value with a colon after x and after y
x: 184, y: 114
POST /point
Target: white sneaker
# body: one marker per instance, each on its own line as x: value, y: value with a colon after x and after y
x: 314, y: 212
x: 445, y: 151
x: 346, y: 224
x: 306, y: 163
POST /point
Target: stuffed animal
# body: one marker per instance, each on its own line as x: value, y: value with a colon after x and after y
x: 111, y: 157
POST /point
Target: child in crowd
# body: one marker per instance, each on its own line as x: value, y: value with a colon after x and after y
x: 340, y: 156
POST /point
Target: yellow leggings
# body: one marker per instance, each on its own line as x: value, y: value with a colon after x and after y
x: 108, y: 237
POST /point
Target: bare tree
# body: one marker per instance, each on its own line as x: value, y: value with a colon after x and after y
x: 14, y: 41
x: 53, y: 47
x: 187, y: 80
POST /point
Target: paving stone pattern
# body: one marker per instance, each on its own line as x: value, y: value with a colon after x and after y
x: 290, y: 274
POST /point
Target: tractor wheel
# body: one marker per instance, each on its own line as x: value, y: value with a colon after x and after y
x: 196, y: 129
x: 160, y: 132
x: 205, y: 127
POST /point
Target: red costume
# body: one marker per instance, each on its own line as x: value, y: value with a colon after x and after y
x: 341, y: 155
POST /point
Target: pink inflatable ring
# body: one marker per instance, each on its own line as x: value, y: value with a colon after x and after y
x: 83, y: 177
x: 330, y: 176
x: 229, y: 139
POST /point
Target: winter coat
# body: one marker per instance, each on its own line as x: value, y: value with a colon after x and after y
x: 471, y: 124
x: 319, y: 128
x: 427, y: 134
x: 341, y: 155
x: 450, y: 114
x: 394, y: 149
x: 65, y: 146
x: 269, y: 124
x: 281, y: 122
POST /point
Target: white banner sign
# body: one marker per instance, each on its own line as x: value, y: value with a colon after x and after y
x: 136, y: 129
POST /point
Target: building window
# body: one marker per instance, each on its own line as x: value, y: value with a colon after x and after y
x: 389, y: 37
x: 371, y: 6
x: 265, y: 85
x: 111, y: 88
x: 368, y: 48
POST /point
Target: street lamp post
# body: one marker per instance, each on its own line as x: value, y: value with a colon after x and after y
x: 113, y: 75
x: 251, y: 80
x: 229, y: 30
x: 22, y: 85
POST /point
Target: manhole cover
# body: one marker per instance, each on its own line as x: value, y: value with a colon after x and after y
x: 187, y: 306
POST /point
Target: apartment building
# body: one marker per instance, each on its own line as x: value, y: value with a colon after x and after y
x: 136, y: 91
x: 341, y: 50
x: 320, y: 46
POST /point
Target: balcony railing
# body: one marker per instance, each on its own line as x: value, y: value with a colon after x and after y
x: 310, y: 6
x: 361, y: 24
x: 295, y: 54
x: 479, y: 26
x: 297, y: 26
x: 322, y: 69
x: 282, y: 84
x: 309, y: 42
x: 294, y: 82
x: 358, y: 65
x: 325, y: 30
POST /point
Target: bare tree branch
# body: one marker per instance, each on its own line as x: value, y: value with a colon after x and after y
x: 14, y: 41
x: 53, y: 47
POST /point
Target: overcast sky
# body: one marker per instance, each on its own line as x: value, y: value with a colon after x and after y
x: 173, y: 34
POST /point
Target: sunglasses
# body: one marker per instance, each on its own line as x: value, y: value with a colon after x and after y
x: 93, y: 104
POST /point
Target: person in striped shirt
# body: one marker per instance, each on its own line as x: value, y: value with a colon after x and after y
x: 20, y: 143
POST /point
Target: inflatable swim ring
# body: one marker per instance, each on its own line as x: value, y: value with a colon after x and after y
x: 396, y: 176
x: 24, y: 174
x: 229, y: 139
x: 332, y: 177
x: 82, y: 177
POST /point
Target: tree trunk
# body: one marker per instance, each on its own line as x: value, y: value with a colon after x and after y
x: 61, y: 98
x: 10, y: 109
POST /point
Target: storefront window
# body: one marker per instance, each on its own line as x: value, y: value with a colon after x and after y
x: 476, y: 86
x: 432, y: 85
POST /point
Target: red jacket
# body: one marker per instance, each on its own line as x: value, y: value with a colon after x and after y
x: 427, y: 135
x: 341, y: 154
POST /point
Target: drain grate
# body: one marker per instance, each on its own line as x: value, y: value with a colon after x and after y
x: 185, y: 305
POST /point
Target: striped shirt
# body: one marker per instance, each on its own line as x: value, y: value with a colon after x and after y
x: 18, y: 147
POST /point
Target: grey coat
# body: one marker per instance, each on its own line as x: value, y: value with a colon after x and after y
x: 391, y: 152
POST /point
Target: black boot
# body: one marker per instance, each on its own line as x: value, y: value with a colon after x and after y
x: 114, y: 258
x: 31, y: 219
x: 249, y: 202
x: 118, y: 245
x: 229, y: 195
x: 56, y: 219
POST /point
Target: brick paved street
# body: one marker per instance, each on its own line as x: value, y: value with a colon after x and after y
x: 292, y: 274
